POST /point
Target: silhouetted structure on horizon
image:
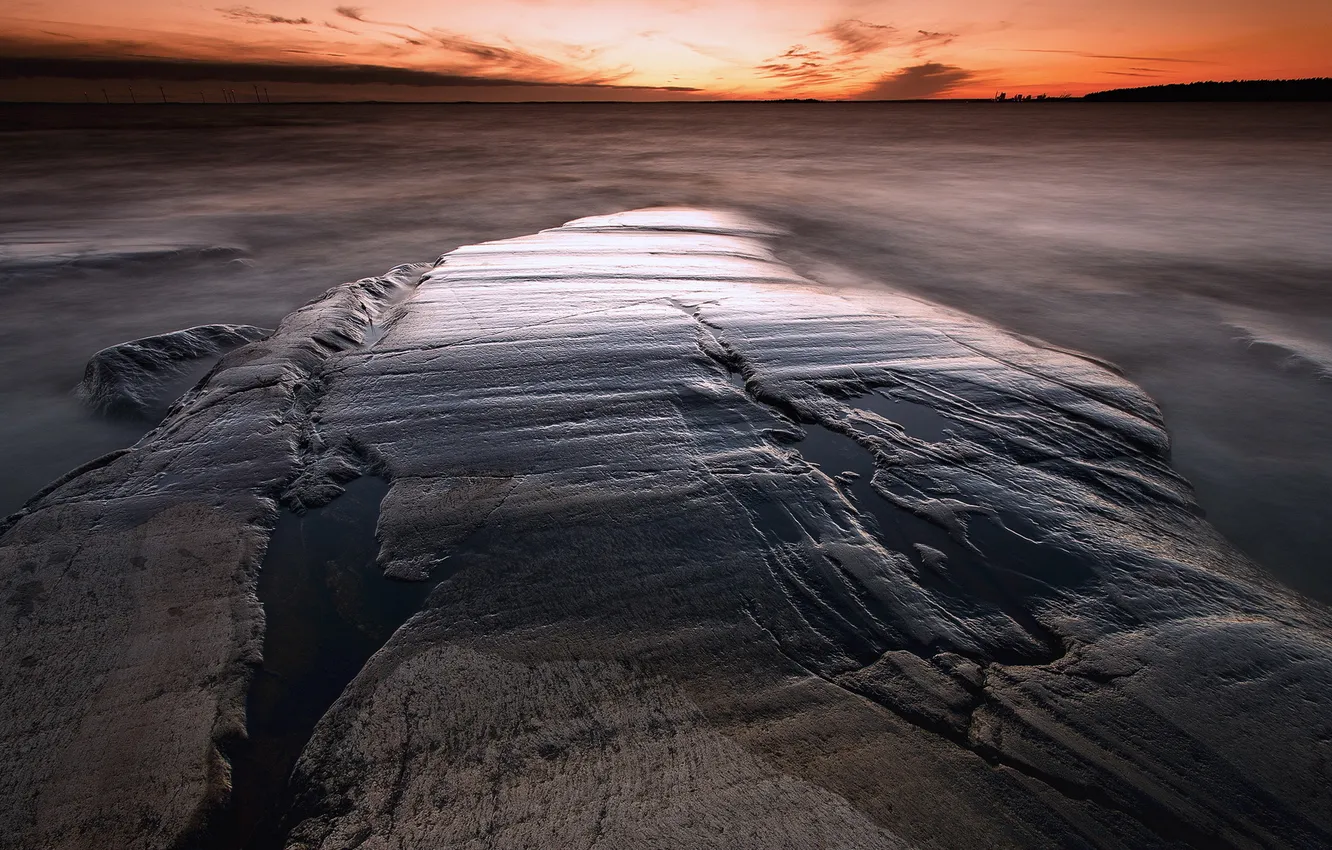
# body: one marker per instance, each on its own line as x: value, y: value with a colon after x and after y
x: 1002, y: 97
x: 1314, y: 88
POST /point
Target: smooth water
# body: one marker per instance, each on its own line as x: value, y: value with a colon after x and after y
x: 1190, y: 244
x: 327, y: 609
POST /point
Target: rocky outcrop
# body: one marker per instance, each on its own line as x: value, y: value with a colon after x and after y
x: 720, y: 558
x: 132, y: 625
x: 132, y: 377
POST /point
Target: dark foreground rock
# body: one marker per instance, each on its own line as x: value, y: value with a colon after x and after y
x: 720, y: 558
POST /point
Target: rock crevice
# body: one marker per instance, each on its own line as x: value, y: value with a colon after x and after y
x: 675, y: 571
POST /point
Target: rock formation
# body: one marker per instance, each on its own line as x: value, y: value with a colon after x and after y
x: 132, y: 377
x: 715, y: 557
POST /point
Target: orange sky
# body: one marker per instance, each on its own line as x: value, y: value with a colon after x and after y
x: 648, y: 49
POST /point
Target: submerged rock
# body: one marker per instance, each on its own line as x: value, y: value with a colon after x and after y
x: 20, y: 261
x: 131, y: 378
x: 663, y: 614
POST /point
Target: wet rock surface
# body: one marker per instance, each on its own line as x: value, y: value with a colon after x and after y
x: 709, y: 555
x: 134, y: 378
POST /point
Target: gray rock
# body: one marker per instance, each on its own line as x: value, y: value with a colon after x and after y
x: 656, y: 618
x: 136, y: 628
x: 131, y: 378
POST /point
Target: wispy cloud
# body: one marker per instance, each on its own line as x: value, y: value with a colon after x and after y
x: 924, y: 40
x: 857, y: 38
x: 253, y: 16
x: 916, y: 82
x: 194, y: 70
x: 468, y: 56
x: 719, y: 54
x: 853, y: 43
x: 493, y: 54
x: 798, y: 64
x: 1086, y: 55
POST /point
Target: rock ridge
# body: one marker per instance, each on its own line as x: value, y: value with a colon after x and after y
x: 717, y: 557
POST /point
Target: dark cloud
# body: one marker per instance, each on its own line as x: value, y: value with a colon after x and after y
x: 924, y: 40
x: 917, y: 82
x: 189, y: 70
x: 334, y: 26
x: 857, y: 38
x: 1086, y: 55
x: 477, y: 57
x: 855, y: 41
x: 799, y: 64
x: 437, y: 59
x: 510, y: 58
x: 254, y: 16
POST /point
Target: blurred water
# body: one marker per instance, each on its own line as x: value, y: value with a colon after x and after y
x: 1190, y: 244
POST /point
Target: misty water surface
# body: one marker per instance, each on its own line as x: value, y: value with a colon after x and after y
x: 1189, y: 244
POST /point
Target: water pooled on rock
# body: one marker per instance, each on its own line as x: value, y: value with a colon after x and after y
x: 327, y: 608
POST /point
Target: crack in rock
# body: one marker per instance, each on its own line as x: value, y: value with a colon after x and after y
x: 694, y: 552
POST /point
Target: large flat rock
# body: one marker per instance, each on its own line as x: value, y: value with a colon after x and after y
x: 715, y: 556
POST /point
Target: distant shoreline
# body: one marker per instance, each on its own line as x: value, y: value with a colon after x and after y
x: 1235, y: 91
x: 1311, y: 90
x: 1119, y: 96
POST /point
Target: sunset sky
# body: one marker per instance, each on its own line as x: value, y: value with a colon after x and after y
x: 646, y: 49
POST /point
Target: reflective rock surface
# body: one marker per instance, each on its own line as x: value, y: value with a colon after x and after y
x: 709, y: 555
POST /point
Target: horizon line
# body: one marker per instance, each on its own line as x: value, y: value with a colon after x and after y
x: 1089, y: 97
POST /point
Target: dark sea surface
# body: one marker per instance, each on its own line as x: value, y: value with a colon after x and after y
x: 1191, y: 244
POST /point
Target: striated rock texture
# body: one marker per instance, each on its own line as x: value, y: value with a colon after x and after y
x: 132, y: 625
x: 721, y: 558
x: 131, y: 378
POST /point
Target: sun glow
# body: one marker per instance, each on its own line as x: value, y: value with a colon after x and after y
x: 660, y: 49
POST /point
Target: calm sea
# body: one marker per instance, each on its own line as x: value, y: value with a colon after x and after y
x: 1190, y: 244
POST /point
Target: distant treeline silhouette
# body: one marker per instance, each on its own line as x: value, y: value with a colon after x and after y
x: 1314, y: 88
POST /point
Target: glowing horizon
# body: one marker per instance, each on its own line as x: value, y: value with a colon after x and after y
x: 657, y: 49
